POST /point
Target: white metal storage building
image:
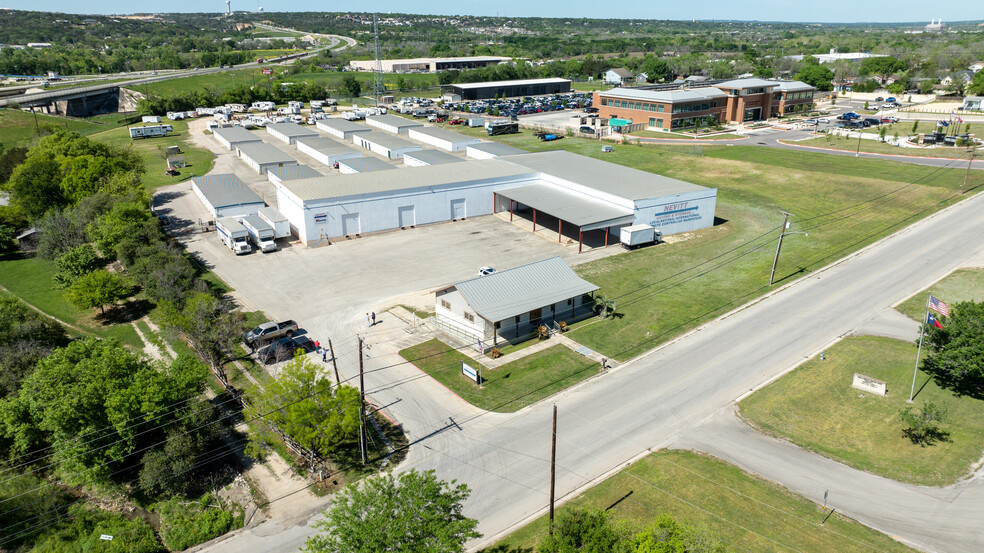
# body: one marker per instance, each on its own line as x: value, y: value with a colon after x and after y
x: 291, y: 172
x: 280, y: 224
x: 326, y: 150
x: 491, y: 150
x: 429, y: 157
x: 442, y: 138
x: 230, y: 137
x: 385, y: 145
x: 341, y: 128
x: 290, y: 132
x: 392, y: 123
x: 262, y: 156
x: 226, y: 195
x: 353, y: 165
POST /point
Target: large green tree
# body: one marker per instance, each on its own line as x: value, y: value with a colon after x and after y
x: 976, y: 85
x: 584, y: 531
x: 817, y: 76
x: 208, y: 324
x: 99, y: 289
x: 123, y: 219
x: 957, y: 358
x: 414, y: 512
x: 26, y: 336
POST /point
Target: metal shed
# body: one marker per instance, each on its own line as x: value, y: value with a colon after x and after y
x: 341, y: 128
x: 262, y: 156
x: 226, y: 195
x: 291, y: 172
x: 491, y: 150
x: 326, y: 150
x: 230, y: 137
x: 385, y: 145
x: 442, y: 138
x: 362, y: 165
x: 290, y: 132
x: 429, y: 157
x: 392, y: 123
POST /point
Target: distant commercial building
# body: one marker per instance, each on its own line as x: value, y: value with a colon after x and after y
x: 427, y: 65
x: 508, y: 89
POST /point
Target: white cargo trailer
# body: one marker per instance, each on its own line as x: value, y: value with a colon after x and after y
x: 637, y: 235
x: 260, y: 233
x: 280, y: 224
x: 233, y: 234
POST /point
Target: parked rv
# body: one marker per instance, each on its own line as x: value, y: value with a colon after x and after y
x: 150, y: 131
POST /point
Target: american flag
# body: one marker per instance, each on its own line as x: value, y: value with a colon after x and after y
x: 939, y: 306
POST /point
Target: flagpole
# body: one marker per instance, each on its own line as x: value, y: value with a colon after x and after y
x: 922, y: 331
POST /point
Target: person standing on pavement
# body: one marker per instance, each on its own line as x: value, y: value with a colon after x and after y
x: 324, y: 355
x: 368, y: 322
x: 373, y: 318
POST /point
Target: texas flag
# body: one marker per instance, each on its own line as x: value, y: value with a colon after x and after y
x: 932, y: 321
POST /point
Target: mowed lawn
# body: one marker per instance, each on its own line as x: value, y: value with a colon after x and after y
x: 743, y: 511
x: 960, y: 285
x: 877, y: 147
x: 816, y: 408
x: 17, y: 128
x: 152, y: 151
x: 507, y: 388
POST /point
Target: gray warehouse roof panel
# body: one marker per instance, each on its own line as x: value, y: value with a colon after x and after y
x: 393, y: 121
x: 236, y: 134
x: 263, y: 153
x: 612, y: 178
x: 434, y: 157
x: 291, y: 129
x: 365, y: 164
x: 388, y: 140
x: 343, y: 125
x: 225, y: 190
x: 337, y: 186
x: 444, y: 134
x: 325, y: 145
x: 294, y: 172
x: 519, y: 290
x: 497, y: 149
x: 520, y: 82
x: 579, y: 210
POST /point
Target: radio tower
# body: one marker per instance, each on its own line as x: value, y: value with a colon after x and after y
x: 378, y: 87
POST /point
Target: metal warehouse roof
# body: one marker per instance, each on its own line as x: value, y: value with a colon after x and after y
x: 393, y: 121
x: 291, y: 129
x: 225, y: 190
x: 497, y: 149
x: 337, y: 186
x: 325, y: 145
x: 612, y: 178
x: 519, y: 290
x: 342, y: 125
x: 293, y: 172
x: 236, y: 134
x: 434, y: 157
x: 577, y: 209
x: 263, y: 153
x: 388, y: 140
x: 668, y: 96
x: 519, y: 82
x: 793, y: 86
x: 746, y: 83
x: 365, y: 164
x: 444, y: 134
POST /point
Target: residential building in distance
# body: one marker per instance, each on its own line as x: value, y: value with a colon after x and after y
x: 618, y: 76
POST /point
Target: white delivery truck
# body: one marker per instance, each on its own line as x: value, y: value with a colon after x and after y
x: 280, y: 224
x: 637, y: 235
x: 260, y: 233
x: 233, y: 234
x: 150, y: 131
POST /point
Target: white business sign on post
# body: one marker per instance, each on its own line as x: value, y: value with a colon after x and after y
x: 469, y: 372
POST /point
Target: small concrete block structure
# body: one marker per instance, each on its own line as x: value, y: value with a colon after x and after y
x: 230, y: 137
x: 429, y: 157
x: 291, y: 172
x: 513, y: 303
x: 326, y: 150
x: 342, y: 128
x: 490, y: 150
x: 386, y: 145
x: 290, y: 132
x: 262, y: 156
x: 392, y: 123
x: 226, y: 195
x: 354, y: 165
x: 442, y: 138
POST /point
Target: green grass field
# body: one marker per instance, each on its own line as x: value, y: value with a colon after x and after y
x: 507, y: 388
x: 816, y: 408
x: 17, y: 128
x: 680, y: 135
x: 877, y: 147
x: 216, y: 82
x: 745, y: 512
x: 960, y: 285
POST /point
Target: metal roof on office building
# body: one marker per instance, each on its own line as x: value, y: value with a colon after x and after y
x: 497, y: 149
x: 365, y: 164
x: 794, y: 86
x: 291, y: 129
x: 747, y: 83
x: 668, y: 96
x: 519, y: 290
x: 586, y: 213
x: 236, y: 134
x: 263, y: 153
x: 294, y: 172
x: 336, y: 186
x: 225, y: 190
x: 434, y: 157
x: 612, y: 178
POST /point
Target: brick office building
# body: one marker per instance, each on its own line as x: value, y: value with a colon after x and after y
x: 735, y: 101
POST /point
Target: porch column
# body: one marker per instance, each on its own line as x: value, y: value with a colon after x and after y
x: 560, y: 226
x: 580, y: 239
x: 534, y: 220
x: 510, y: 210
x: 495, y: 198
x: 607, y: 229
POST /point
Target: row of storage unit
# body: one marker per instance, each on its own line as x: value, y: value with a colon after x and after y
x: 429, y: 157
x: 261, y: 156
x: 362, y: 165
x: 230, y: 137
x: 291, y: 172
x: 386, y: 145
x: 392, y: 123
x: 341, y: 128
x: 326, y: 150
x: 442, y: 138
x: 289, y: 133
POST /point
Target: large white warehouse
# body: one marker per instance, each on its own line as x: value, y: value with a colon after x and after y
x: 290, y: 132
x: 386, y: 145
x: 262, y: 156
x: 392, y: 123
x: 326, y: 150
x: 226, y: 195
x: 230, y: 137
x: 442, y: 138
x: 341, y: 128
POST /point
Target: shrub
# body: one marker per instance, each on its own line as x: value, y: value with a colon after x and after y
x: 563, y: 326
x: 495, y: 353
x: 185, y: 524
x: 542, y: 332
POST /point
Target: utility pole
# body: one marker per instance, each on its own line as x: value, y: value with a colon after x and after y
x: 785, y: 225
x: 858, y: 152
x: 973, y: 148
x: 37, y: 129
x: 334, y: 362
x: 362, y: 410
x: 553, y: 465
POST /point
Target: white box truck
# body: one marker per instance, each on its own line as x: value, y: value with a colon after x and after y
x: 637, y: 235
x: 150, y: 131
x: 233, y: 234
x: 280, y: 224
x: 260, y: 233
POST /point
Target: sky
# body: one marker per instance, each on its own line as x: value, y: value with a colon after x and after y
x: 843, y: 11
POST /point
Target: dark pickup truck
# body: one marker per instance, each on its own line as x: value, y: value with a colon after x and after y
x: 268, y: 332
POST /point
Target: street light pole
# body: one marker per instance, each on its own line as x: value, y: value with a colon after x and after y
x: 782, y: 234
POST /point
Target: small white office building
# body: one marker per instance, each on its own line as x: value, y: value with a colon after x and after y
x: 430, y: 157
x: 491, y: 150
x: 392, y: 123
x: 353, y: 165
x: 290, y: 132
x: 512, y: 304
x: 226, y: 195
x: 325, y: 150
x: 261, y: 156
x: 442, y: 138
x: 291, y: 172
x: 386, y: 145
x: 342, y: 128
x: 230, y: 137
